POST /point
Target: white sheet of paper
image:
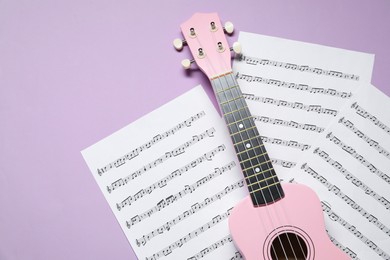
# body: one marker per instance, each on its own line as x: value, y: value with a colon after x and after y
x: 170, y: 178
x: 295, y: 89
x: 349, y: 168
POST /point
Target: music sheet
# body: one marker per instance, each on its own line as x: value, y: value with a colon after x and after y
x: 295, y: 89
x: 171, y: 179
x: 349, y: 169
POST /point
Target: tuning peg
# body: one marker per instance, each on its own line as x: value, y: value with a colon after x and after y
x: 186, y: 63
x: 229, y: 27
x: 178, y: 44
x: 236, y: 48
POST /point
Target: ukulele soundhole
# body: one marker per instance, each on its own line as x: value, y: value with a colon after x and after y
x: 288, y: 246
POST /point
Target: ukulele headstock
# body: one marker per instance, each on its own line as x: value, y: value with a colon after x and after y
x: 205, y: 36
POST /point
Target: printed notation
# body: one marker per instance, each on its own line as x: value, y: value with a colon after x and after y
x: 187, y: 190
x: 358, y: 157
x: 363, y: 113
x: 336, y: 191
x: 349, y: 176
x: 179, y: 243
x: 347, y: 250
x: 296, y: 86
x: 303, y: 68
x: 194, y: 209
x: 275, y: 121
x: 134, y: 153
x: 227, y: 239
x: 175, y: 152
x: 237, y: 256
x: 163, y: 182
x: 363, y: 136
x: 294, y: 105
x: 333, y: 216
x: 283, y: 163
x: 288, y: 143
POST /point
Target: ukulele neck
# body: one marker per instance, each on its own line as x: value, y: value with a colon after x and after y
x: 262, y: 182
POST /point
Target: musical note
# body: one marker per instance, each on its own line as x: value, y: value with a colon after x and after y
x: 363, y: 113
x: 188, y: 189
x: 213, y: 247
x: 292, y: 85
x: 288, y: 143
x: 163, y: 182
x: 195, y: 233
x: 352, y: 178
x: 350, y: 150
x: 134, y: 153
x: 173, y: 153
x: 294, y: 105
x: 353, y: 230
x: 188, y: 212
x: 292, y: 124
x: 302, y: 68
x: 283, y: 163
x: 363, y: 136
x: 347, y: 250
x: 336, y: 191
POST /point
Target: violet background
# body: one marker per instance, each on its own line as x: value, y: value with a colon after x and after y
x: 73, y: 72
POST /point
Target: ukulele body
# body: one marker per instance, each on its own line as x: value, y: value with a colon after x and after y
x: 298, y: 216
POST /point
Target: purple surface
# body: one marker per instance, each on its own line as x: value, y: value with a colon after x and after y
x: 73, y: 72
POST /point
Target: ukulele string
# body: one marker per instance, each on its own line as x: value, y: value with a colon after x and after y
x: 211, y: 68
x: 269, y: 164
x: 262, y: 169
x: 280, y: 206
x: 226, y: 68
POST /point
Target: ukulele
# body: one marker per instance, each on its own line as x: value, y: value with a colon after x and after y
x: 276, y: 221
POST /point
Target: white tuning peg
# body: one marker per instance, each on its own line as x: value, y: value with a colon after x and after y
x: 229, y: 27
x: 186, y: 63
x: 178, y: 44
x: 236, y: 48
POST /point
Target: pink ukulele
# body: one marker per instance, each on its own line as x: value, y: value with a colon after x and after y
x: 275, y: 221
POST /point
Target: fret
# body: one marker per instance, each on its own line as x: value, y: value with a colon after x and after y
x: 245, y: 130
x: 253, y: 161
x: 235, y: 86
x: 228, y: 113
x: 243, y: 141
x: 261, y: 181
x: 267, y: 195
x: 241, y: 120
x: 259, y: 173
x: 257, y: 165
x: 260, y: 153
x: 264, y: 175
x: 262, y: 188
x: 244, y: 161
x: 231, y: 94
x: 223, y: 82
x: 260, y: 176
x: 232, y: 104
x: 231, y: 100
x: 250, y: 149
x: 236, y: 115
x: 246, y: 134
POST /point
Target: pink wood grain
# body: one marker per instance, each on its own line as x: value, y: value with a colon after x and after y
x: 301, y: 208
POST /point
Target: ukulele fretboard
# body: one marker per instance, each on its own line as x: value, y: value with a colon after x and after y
x: 263, y: 184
